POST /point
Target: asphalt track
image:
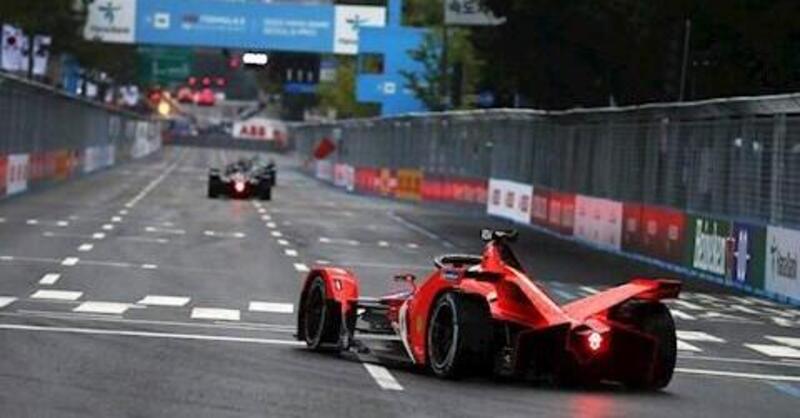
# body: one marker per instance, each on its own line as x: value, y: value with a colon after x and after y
x: 128, y: 293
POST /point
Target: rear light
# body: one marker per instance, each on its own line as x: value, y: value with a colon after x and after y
x: 238, y: 186
x: 594, y: 341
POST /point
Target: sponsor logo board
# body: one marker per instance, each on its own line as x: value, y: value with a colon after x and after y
x: 708, y: 244
x: 782, y: 270
x: 17, y: 169
x: 510, y: 200
x: 598, y: 221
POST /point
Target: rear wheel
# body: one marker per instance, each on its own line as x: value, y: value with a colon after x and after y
x: 212, y: 188
x: 459, y: 339
x: 320, y: 320
x: 266, y: 193
x: 654, y: 319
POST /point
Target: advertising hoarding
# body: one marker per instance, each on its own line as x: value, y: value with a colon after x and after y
x: 348, y: 22
x: 344, y: 176
x: 708, y: 244
x: 111, y: 21
x: 782, y: 272
x: 747, y: 255
x: 510, y: 200
x: 598, y: 221
x: 17, y: 173
x: 409, y: 184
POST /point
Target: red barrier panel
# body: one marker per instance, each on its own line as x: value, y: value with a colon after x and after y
x: 458, y: 190
x: 367, y: 179
x: 654, y: 231
x: 553, y: 210
x: 3, y: 173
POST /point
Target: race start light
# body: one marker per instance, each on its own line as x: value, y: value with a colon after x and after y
x: 255, y: 58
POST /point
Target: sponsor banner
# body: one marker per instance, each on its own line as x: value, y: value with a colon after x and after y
x: 454, y: 190
x: 553, y: 210
x: 599, y: 221
x: 111, y: 21
x: 3, y: 173
x: 98, y: 157
x: 344, y: 176
x: 708, y: 244
x: 409, y: 184
x: 64, y: 164
x: 510, y: 200
x: 654, y: 231
x: 258, y: 129
x: 17, y: 167
x: 367, y: 179
x: 749, y: 245
x: 42, y: 166
x: 324, y: 170
x: 387, y: 182
x: 782, y: 273
x: 348, y: 22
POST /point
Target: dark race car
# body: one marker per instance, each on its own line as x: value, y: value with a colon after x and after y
x: 483, y: 314
x: 243, y: 179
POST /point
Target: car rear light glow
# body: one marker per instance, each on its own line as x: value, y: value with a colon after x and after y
x: 238, y: 186
x: 594, y: 340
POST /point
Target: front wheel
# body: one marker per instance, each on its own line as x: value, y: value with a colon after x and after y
x: 321, y: 322
x: 459, y: 338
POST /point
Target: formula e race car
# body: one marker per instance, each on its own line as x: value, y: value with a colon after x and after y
x: 484, y: 315
x: 243, y: 179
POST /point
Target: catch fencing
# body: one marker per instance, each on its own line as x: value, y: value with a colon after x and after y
x: 47, y: 136
x: 712, y: 187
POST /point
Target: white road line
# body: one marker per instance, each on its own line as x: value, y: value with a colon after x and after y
x: 152, y: 185
x: 56, y: 294
x: 290, y: 252
x: 792, y: 341
x: 775, y: 350
x: 123, y: 212
x: 383, y: 377
x: 165, y: 230
x: 687, y: 305
x: 745, y: 309
x: 116, y: 219
x: 276, y: 234
x: 421, y: 230
x: 324, y: 240
x: 32, y: 222
x: 108, y: 227
x: 49, y: 278
x: 70, y: 261
x: 200, y: 337
x: 756, y: 376
x: 742, y: 300
x: 112, y: 308
x: 149, y: 266
x: 684, y: 346
x: 682, y: 315
x: 323, y: 262
x: 271, y: 225
x: 412, y: 245
x: 62, y: 224
x: 6, y: 300
x: 283, y: 242
x: 98, y: 235
x: 383, y: 244
x: 302, y: 268
x: 698, y: 336
x: 144, y: 239
x: 86, y: 247
x: 2, y: 220
x: 262, y: 210
x: 158, y: 300
x: 6, y: 258
x: 272, y: 307
x: 266, y: 218
x: 216, y: 314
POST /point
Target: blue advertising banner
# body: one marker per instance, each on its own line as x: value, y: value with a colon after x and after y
x: 235, y: 25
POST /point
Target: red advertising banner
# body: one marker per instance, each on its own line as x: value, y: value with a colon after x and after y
x: 3, y: 169
x: 409, y: 184
x: 367, y: 179
x: 458, y: 190
x: 553, y: 210
x: 63, y: 164
x: 654, y: 231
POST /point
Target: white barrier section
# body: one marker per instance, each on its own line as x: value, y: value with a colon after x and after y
x: 783, y: 254
x: 510, y: 200
x: 599, y: 221
x: 17, y: 173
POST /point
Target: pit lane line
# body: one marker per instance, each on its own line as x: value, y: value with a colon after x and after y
x: 152, y: 185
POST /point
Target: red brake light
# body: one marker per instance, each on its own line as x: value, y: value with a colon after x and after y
x: 238, y: 186
x: 594, y: 340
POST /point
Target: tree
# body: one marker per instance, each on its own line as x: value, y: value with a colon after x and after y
x: 340, y: 94
x: 427, y: 83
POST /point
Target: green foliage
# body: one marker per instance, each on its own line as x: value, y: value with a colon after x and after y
x: 340, y: 94
x: 427, y: 83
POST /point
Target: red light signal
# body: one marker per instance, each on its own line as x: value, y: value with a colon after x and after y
x: 192, y: 81
x: 206, y: 81
x: 221, y: 81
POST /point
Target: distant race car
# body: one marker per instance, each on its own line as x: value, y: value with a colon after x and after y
x: 243, y: 179
x: 483, y: 314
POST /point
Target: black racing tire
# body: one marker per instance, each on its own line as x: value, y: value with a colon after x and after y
x: 654, y: 319
x: 321, y: 320
x: 213, y: 188
x: 459, y: 336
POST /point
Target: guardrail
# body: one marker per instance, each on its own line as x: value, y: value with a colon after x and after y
x: 47, y: 136
x: 707, y: 188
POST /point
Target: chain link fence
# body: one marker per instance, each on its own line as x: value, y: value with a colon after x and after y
x: 734, y: 158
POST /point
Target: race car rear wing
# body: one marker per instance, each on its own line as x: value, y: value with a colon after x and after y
x: 641, y: 289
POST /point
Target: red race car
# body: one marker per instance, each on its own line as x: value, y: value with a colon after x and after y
x: 484, y: 314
